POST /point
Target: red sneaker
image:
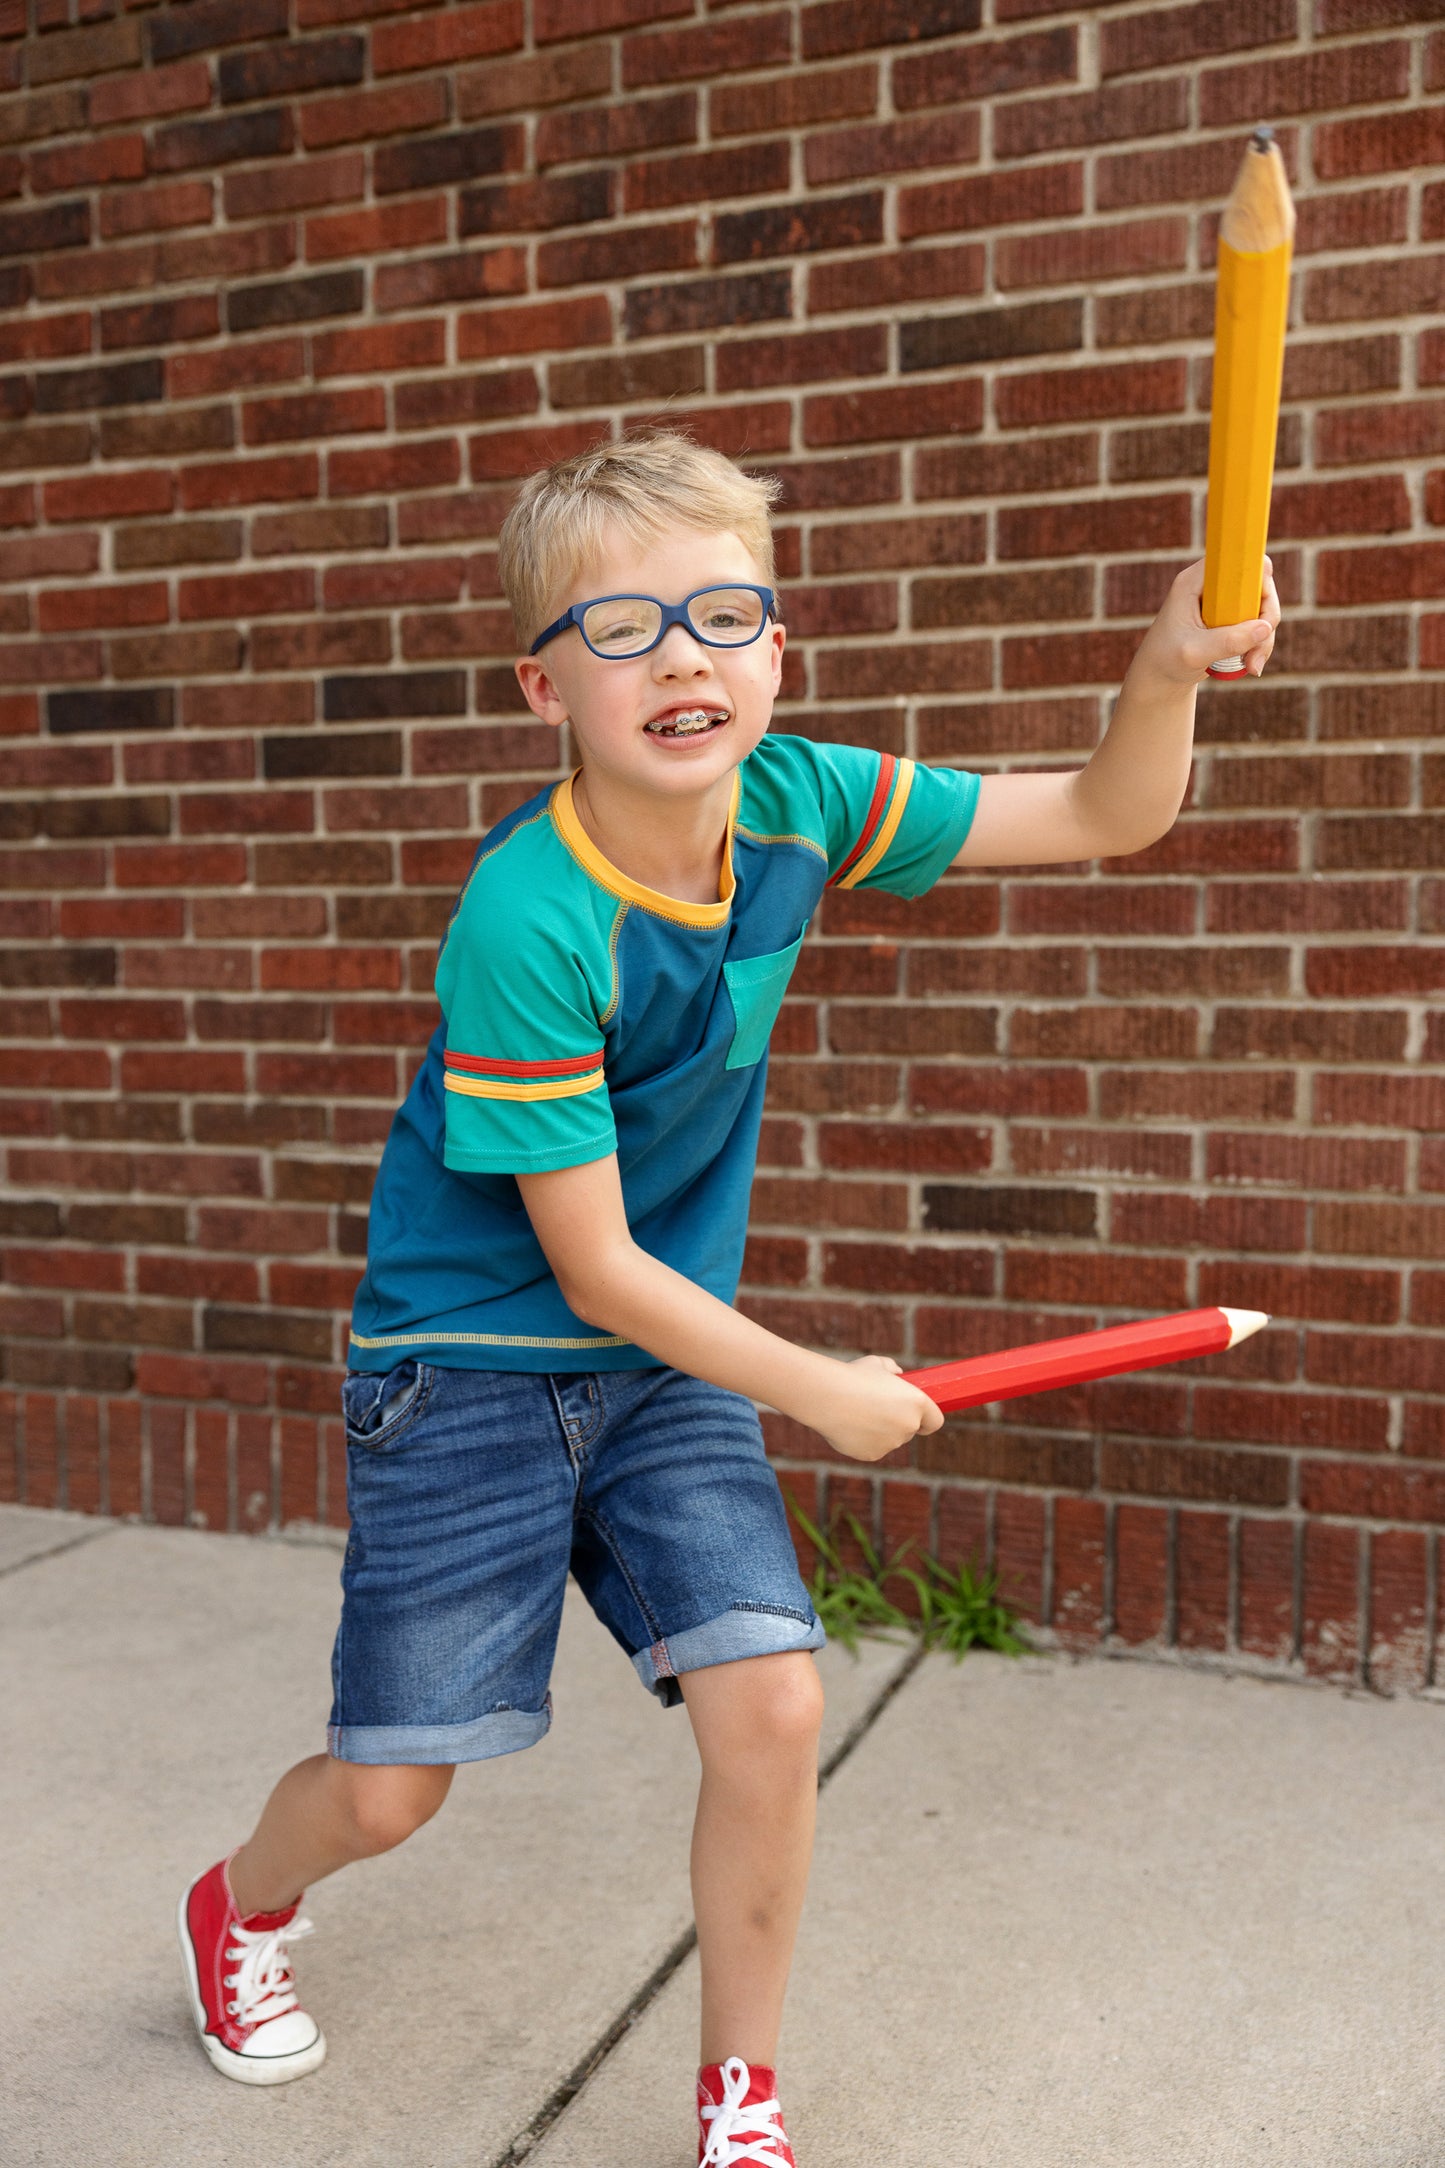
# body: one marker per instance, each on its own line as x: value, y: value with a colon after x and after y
x: 243, y: 1997
x: 739, y: 2118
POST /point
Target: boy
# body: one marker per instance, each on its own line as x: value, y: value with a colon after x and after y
x: 546, y: 1368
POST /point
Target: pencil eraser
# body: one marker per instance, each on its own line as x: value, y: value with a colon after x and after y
x: 1231, y: 666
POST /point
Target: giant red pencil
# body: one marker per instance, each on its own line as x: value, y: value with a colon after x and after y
x: 1047, y: 1364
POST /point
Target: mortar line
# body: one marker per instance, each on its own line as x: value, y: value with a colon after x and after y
x: 91, y: 1535
x: 586, y: 2068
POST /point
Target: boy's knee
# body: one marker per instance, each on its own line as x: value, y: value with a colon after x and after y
x: 388, y: 1805
x: 775, y: 1713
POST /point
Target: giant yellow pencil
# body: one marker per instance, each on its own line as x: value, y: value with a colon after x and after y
x: 1250, y: 306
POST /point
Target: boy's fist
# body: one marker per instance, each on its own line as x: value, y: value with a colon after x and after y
x: 870, y: 1411
x: 1179, y: 645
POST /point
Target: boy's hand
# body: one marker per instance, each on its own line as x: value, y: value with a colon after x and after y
x: 1179, y: 646
x: 870, y: 1411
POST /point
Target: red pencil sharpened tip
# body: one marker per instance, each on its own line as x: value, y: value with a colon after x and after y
x: 1243, y: 1324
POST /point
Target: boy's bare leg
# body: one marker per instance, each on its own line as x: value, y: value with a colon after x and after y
x: 756, y: 1724
x: 325, y: 1813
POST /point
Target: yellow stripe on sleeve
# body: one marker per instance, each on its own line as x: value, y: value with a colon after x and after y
x: 878, y: 848
x: 566, y: 1087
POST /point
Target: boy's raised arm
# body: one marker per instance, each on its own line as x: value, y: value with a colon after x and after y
x: 1130, y: 792
x: 862, y: 1408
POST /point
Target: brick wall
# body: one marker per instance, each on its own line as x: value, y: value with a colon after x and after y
x: 293, y: 292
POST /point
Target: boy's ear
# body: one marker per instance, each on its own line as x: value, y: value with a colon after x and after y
x: 540, y: 694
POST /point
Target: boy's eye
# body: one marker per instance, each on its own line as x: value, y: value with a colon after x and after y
x: 621, y: 625
x: 728, y: 614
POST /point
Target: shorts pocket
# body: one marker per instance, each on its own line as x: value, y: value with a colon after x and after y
x: 380, y: 1408
x: 757, y: 985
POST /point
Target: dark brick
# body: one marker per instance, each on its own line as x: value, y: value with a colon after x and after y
x: 791, y: 229
x: 121, y: 383
x: 205, y: 24
x: 1008, y: 1211
x: 419, y: 692
x: 851, y: 26
x: 438, y: 161
x: 36, y: 233
x: 182, y: 144
x: 267, y: 1332
x: 612, y: 379
x: 702, y: 304
x: 295, y: 301
x: 360, y: 752
x: 568, y: 199
x: 940, y: 342
x: 300, y: 64
x: 139, y: 707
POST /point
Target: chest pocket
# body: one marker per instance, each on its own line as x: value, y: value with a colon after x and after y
x: 757, y: 986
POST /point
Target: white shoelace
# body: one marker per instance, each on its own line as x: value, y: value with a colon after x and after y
x: 763, y: 2118
x: 263, y: 1985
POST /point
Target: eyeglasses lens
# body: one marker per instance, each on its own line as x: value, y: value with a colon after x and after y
x: 728, y: 616
x: 623, y: 626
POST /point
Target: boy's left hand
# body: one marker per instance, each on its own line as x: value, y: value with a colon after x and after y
x: 1179, y: 646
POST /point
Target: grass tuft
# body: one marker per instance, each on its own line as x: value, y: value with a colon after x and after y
x: 957, y: 1611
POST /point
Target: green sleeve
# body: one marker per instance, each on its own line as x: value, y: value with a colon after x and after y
x: 889, y: 823
x: 524, y: 1083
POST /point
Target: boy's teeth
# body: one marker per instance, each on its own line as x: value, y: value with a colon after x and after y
x: 685, y: 724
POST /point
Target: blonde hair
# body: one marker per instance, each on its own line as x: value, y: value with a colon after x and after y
x: 644, y: 485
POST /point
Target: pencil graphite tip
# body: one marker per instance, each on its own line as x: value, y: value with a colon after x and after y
x: 1242, y: 1323
x: 1263, y: 137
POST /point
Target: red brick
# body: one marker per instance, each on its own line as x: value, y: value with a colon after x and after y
x: 527, y: 85
x: 1077, y: 255
x: 1266, y: 1588
x: 416, y: 223
x: 247, y: 594
x: 1117, y: 112
x: 1141, y: 1573
x: 356, y: 116
x: 110, y: 496
x: 1330, y: 1636
x: 1167, y: 36
x: 378, y: 348
x: 464, y: 33
x: 1091, y: 394
x: 466, y: 276
x: 281, y: 478
x: 86, y: 165
x: 609, y: 131
x: 426, y: 464
x: 578, y: 18
x: 539, y: 327
x: 1399, y: 1651
x: 1380, y: 142
x: 795, y: 100
x: 183, y: 86
x: 700, y: 176
x: 1019, y: 1552
x: 1202, y: 1578
x: 991, y: 199
x: 1080, y: 1529
x: 272, y: 191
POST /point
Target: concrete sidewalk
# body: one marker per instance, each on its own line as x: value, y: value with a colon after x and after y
x: 1064, y: 1915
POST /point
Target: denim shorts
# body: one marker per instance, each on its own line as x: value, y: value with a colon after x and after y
x: 473, y: 1492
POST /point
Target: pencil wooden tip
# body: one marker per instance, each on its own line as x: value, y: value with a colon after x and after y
x: 1243, y: 1323
x: 1260, y: 212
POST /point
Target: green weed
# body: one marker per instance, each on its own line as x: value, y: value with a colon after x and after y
x: 957, y: 1611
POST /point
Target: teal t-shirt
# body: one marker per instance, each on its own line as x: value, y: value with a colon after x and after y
x: 584, y: 1014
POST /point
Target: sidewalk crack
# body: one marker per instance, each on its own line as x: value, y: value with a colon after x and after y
x: 555, y: 2106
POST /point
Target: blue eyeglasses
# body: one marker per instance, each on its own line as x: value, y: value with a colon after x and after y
x: 615, y: 626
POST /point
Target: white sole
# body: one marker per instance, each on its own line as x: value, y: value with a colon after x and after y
x: 248, y: 2069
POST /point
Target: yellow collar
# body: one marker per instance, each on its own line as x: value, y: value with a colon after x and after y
x: 602, y: 870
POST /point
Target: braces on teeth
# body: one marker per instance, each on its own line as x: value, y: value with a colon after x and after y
x: 687, y: 724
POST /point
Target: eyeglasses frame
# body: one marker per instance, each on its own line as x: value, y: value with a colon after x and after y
x: 673, y: 613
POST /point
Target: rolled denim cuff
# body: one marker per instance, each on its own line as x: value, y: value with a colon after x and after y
x: 744, y: 1630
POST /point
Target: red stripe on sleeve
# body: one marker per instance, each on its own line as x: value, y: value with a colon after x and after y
x: 887, y: 768
x: 483, y: 1065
